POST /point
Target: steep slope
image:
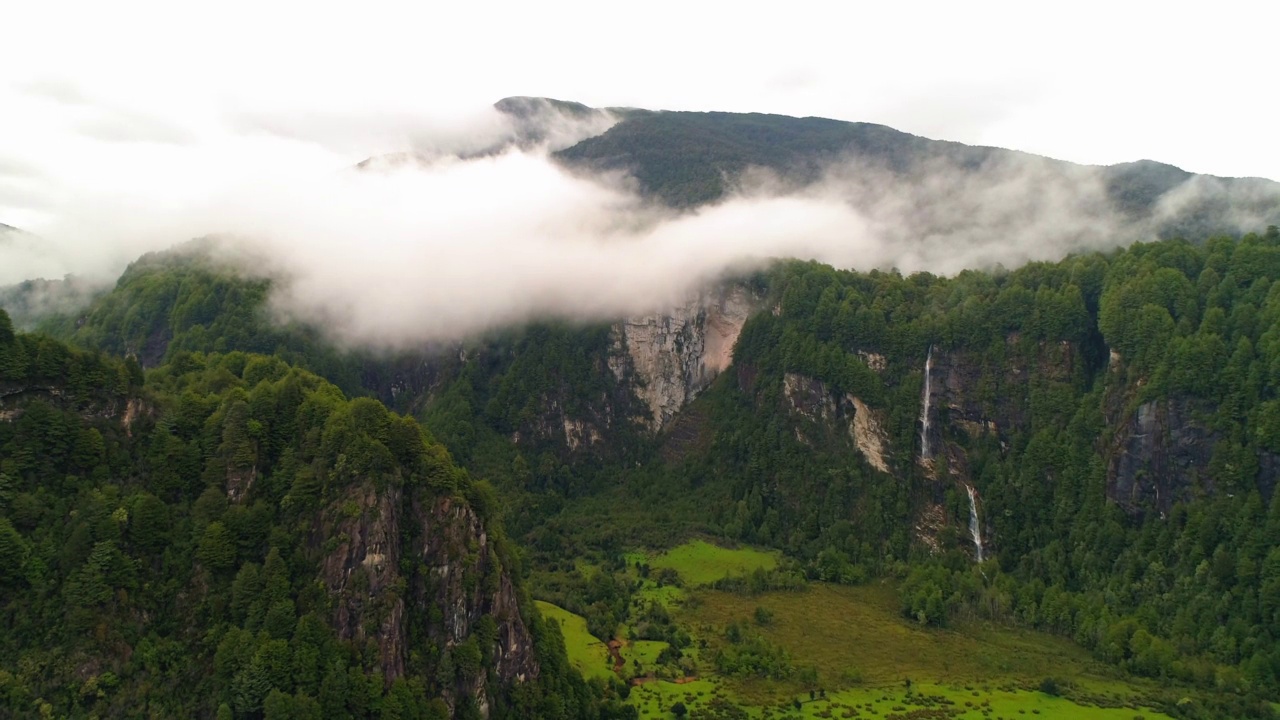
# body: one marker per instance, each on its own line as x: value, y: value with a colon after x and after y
x: 236, y: 537
x: 1087, y: 430
x: 640, y: 370
x: 671, y: 357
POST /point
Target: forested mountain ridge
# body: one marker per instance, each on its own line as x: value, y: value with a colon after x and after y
x: 1114, y: 415
x: 1102, y: 431
x: 235, y: 538
x: 645, y: 368
x: 1105, y: 427
x: 687, y: 159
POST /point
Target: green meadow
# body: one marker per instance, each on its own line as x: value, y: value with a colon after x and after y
x: 701, y: 563
x: 586, y: 652
x: 852, y: 649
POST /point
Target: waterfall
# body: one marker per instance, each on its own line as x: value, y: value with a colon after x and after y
x: 924, y: 406
x: 975, y: 529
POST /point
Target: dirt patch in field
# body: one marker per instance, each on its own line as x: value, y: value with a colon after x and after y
x: 615, y: 652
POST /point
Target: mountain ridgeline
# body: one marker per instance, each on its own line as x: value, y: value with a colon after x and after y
x: 689, y: 159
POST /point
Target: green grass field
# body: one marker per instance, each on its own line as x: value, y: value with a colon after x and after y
x: 646, y: 651
x: 668, y: 596
x: 951, y: 702
x: 586, y: 652
x: 862, y: 649
x: 654, y: 699
x: 837, y: 629
x: 864, y: 652
x: 701, y: 563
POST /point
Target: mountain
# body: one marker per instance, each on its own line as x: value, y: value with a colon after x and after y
x: 532, y: 122
x: 1083, y: 452
x: 31, y: 301
x: 1095, y: 423
x: 688, y: 159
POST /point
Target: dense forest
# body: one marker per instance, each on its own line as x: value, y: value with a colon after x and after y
x: 1114, y: 415
x: 233, y: 537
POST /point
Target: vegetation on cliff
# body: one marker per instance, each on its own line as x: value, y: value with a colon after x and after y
x: 165, y: 550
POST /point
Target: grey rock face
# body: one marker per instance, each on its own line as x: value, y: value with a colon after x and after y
x: 673, y: 356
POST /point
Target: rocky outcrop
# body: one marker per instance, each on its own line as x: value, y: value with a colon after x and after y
x: 973, y: 397
x: 809, y: 398
x: 409, y: 381
x: 361, y: 574
x: 1160, y: 452
x: 1156, y: 453
x: 14, y: 398
x: 458, y: 580
x: 240, y: 482
x: 824, y: 410
x: 673, y: 356
x: 465, y: 578
x: 1158, y: 456
x: 578, y: 434
x: 869, y: 435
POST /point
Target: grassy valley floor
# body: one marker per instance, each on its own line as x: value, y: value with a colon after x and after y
x: 860, y: 657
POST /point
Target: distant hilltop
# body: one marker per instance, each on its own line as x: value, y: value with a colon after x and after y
x: 688, y: 159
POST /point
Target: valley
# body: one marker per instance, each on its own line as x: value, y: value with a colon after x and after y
x: 849, y: 645
x: 790, y: 489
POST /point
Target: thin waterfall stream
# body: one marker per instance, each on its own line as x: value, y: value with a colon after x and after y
x: 924, y: 405
x: 975, y: 528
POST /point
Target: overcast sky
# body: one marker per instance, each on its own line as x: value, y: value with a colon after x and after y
x: 147, y: 105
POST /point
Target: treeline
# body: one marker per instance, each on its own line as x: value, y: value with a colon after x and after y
x: 186, y: 300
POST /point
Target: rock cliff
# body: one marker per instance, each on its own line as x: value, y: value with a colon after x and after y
x: 814, y: 402
x: 415, y: 570
x: 673, y: 356
x: 1159, y: 455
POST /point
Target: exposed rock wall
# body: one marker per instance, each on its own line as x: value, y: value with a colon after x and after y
x: 458, y: 572
x: 982, y: 396
x: 14, y: 397
x: 361, y: 574
x: 465, y: 578
x: 673, y: 356
x: 1159, y: 455
x: 1156, y: 453
x: 868, y: 435
x: 813, y: 401
x: 1160, y: 452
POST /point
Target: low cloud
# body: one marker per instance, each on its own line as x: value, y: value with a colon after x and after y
x: 1015, y: 208
x: 128, y: 127
x: 475, y: 229
x: 414, y: 254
